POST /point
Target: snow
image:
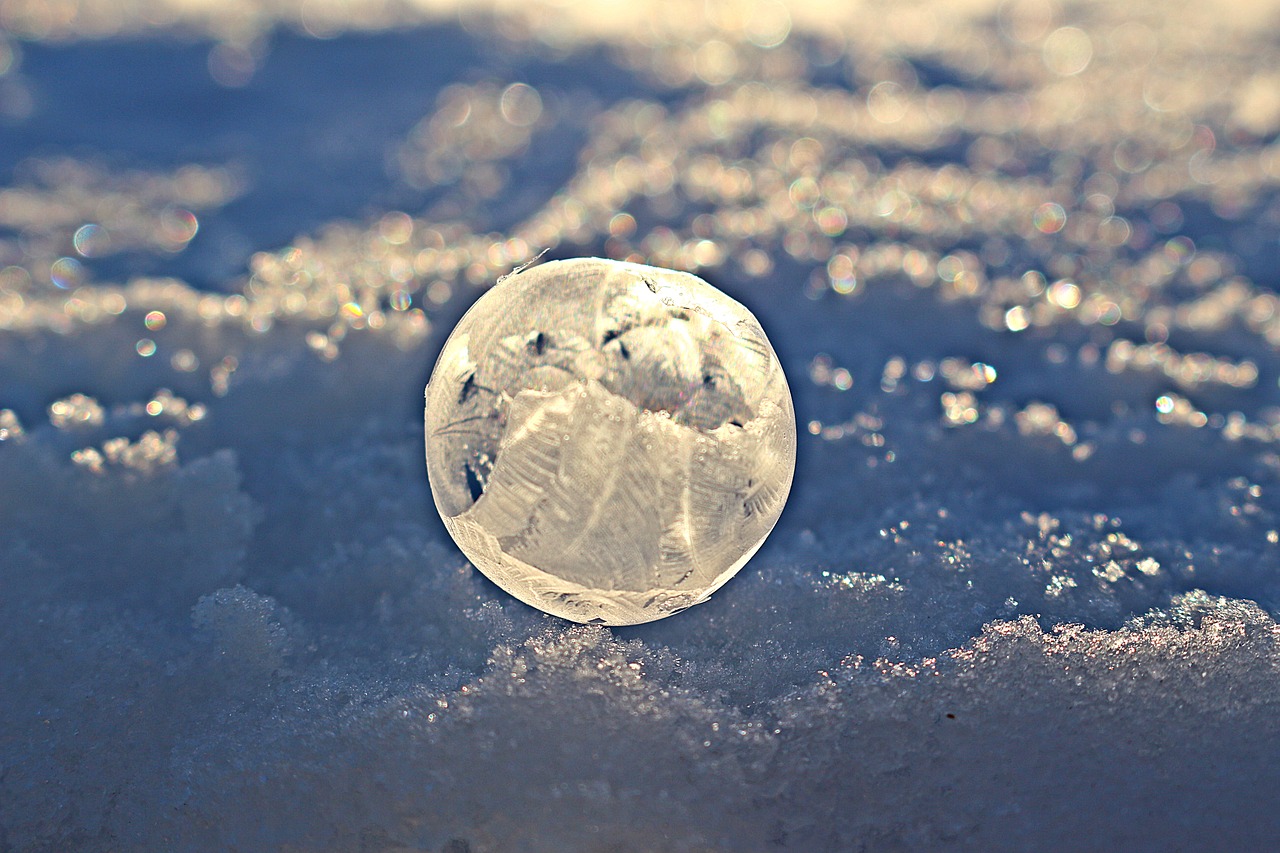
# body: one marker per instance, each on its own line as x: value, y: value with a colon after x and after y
x: 1018, y: 261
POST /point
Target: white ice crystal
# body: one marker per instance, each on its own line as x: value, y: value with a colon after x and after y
x: 607, y: 441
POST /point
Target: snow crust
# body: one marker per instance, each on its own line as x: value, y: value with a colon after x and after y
x: 1018, y: 261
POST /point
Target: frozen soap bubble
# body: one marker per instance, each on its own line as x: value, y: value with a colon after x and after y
x: 609, y: 442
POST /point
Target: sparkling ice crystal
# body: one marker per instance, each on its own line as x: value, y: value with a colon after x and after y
x: 609, y: 442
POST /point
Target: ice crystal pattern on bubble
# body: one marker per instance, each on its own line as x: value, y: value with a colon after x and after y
x: 609, y: 442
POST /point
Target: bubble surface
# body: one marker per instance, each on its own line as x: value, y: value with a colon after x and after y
x: 609, y: 442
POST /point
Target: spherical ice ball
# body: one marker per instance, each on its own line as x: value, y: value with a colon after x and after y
x: 609, y: 442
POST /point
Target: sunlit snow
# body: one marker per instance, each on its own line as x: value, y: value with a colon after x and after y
x: 1018, y: 261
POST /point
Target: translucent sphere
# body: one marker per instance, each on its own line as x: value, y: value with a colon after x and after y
x: 609, y: 442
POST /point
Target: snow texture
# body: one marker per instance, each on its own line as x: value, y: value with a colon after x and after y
x: 1018, y: 260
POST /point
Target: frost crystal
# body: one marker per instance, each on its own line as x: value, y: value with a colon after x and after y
x: 609, y: 442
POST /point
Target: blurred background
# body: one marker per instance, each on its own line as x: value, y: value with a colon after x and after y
x: 1019, y: 260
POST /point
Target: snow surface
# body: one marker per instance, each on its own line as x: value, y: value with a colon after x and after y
x: 1019, y: 261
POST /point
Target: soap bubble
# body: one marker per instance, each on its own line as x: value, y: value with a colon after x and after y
x: 609, y: 442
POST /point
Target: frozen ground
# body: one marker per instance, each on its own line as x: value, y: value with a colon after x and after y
x: 1019, y: 261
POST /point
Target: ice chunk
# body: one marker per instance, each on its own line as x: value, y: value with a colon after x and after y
x: 247, y: 631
